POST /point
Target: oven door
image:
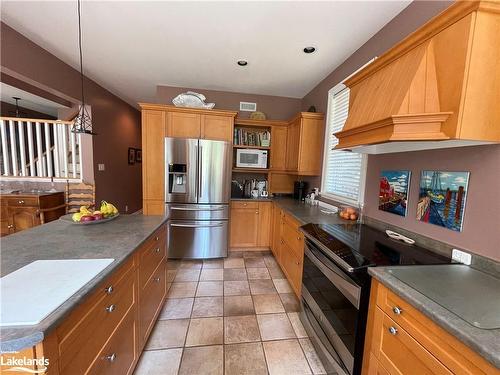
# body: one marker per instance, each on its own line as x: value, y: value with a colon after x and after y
x: 331, y: 302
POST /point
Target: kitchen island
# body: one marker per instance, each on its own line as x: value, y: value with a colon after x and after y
x: 137, y: 245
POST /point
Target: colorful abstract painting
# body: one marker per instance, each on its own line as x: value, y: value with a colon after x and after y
x: 393, y: 191
x: 442, y: 198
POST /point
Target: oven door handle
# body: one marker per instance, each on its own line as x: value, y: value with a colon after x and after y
x: 349, y: 288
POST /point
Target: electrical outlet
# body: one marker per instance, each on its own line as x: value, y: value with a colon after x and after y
x: 461, y: 256
x: 100, y: 167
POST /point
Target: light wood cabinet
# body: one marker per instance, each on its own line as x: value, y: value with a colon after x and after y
x: 250, y: 224
x: 440, y: 83
x: 24, y: 211
x: 401, y: 340
x: 292, y: 145
x: 107, y: 331
x: 183, y: 124
x: 219, y: 128
x: 279, y: 136
x: 276, y: 238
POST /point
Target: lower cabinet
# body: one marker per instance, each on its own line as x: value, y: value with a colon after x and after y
x: 401, y: 340
x: 250, y: 224
x: 106, y: 333
x: 287, y: 246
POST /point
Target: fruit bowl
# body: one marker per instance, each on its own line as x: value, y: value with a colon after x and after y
x: 103, y: 220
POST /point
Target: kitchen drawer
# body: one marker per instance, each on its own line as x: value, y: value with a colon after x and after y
x: 292, y: 236
x: 399, y: 352
x: 151, y: 301
x: 244, y: 204
x: 22, y: 202
x: 374, y: 367
x: 83, y: 334
x: 120, y: 352
x: 152, y: 253
x: 452, y: 353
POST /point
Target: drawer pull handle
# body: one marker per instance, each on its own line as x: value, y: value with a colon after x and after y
x: 10, y: 226
x: 111, y: 308
x: 397, y: 310
x: 393, y: 331
x: 157, y: 250
x: 21, y: 202
x: 298, y: 238
x: 256, y: 212
x: 157, y: 279
x: 109, y: 289
x: 157, y: 238
x: 111, y: 357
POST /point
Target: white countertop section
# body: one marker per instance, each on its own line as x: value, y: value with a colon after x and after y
x: 31, y: 293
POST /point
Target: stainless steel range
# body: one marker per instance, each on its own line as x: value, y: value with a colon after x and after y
x: 336, y: 286
x: 197, y: 191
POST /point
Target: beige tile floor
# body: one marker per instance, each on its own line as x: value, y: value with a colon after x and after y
x: 234, y: 316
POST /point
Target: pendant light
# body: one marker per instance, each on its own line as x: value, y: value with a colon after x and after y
x: 83, y: 122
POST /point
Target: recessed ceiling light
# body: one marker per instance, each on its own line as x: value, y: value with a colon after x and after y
x: 242, y: 62
x: 309, y: 49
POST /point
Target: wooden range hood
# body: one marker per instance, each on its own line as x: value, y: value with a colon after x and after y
x: 439, y: 87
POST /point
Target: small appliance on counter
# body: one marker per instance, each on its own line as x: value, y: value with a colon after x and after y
x: 236, y: 189
x: 255, y: 189
x: 300, y: 190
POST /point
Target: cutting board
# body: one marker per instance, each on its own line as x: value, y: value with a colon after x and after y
x: 31, y: 293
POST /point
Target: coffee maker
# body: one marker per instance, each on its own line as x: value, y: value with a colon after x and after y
x: 300, y: 190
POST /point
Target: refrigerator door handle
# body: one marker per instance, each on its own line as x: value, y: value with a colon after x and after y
x: 200, y: 171
x: 197, y: 226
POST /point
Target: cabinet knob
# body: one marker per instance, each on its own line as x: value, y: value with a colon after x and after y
x: 157, y: 279
x: 109, y: 289
x: 298, y: 238
x: 282, y: 241
x: 397, y: 310
x: 157, y: 250
x: 244, y: 204
x: 111, y: 357
x: 393, y: 331
x: 157, y: 238
x: 257, y: 212
x: 111, y: 308
x: 10, y: 226
x: 20, y: 202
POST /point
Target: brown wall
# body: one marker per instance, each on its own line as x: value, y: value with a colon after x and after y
x: 481, y: 225
x: 482, y: 219
x: 9, y: 110
x: 275, y: 107
x: 116, y: 122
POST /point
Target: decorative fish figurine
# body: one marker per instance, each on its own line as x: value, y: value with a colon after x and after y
x: 193, y: 100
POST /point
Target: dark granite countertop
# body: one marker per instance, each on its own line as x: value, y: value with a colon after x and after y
x: 117, y: 239
x: 304, y: 213
x: 486, y: 342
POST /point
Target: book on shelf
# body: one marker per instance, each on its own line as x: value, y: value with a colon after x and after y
x: 243, y: 137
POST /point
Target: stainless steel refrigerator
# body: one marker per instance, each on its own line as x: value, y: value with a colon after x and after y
x: 197, y: 191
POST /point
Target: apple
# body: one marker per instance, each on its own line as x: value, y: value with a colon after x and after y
x: 87, y: 218
x: 98, y: 216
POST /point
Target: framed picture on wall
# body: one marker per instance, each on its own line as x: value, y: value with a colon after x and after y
x: 393, y: 191
x: 131, y: 155
x: 138, y: 155
x: 442, y: 197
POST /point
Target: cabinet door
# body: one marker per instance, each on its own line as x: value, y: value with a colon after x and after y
x: 311, y: 147
x: 292, y: 145
x: 292, y: 266
x: 219, y: 128
x: 4, y: 218
x: 183, y: 125
x: 244, y: 227
x: 276, y: 243
x: 278, y: 147
x: 153, y: 164
x: 21, y: 218
x: 264, y: 232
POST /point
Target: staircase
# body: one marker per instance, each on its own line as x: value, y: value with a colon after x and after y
x: 39, y: 149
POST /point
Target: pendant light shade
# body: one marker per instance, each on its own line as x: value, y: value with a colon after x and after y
x: 83, y: 121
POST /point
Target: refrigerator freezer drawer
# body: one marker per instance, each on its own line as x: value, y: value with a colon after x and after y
x: 176, y: 211
x: 194, y: 239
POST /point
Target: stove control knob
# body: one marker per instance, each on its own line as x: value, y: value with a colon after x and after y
x: 397, y: 310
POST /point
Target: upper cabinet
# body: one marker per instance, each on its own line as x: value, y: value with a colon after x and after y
x: 305, y: 144
x: 278, y: 147
x: 441, y: 83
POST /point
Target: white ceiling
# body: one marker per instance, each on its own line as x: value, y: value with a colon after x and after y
x: 131, y: 47
x: 28, y: 100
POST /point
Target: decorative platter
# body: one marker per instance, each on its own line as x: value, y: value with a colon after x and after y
x: 69, y: 219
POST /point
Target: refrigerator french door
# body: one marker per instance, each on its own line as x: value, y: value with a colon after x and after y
x: 197, y: 191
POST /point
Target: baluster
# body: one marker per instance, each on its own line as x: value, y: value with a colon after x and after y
x: 22, y: 147
x: 56, y: 150
x: 31, y: 149
x: 5, y: 153
x: 65, y: 150
x: 48, y: 152
x: 73, y: 152
x: 13, y: 147
x: 40, y: 172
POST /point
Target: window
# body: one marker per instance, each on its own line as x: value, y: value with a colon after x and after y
x: 343, y: 171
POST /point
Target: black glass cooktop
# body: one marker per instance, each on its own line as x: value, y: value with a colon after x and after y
x: 357, y: 246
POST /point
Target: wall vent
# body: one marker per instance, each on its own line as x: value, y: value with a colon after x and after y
x: 248, y: 107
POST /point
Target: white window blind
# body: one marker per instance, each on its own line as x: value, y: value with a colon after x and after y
x: 343, y: 171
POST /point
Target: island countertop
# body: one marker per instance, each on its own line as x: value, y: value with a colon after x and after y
x: 116, y: 239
